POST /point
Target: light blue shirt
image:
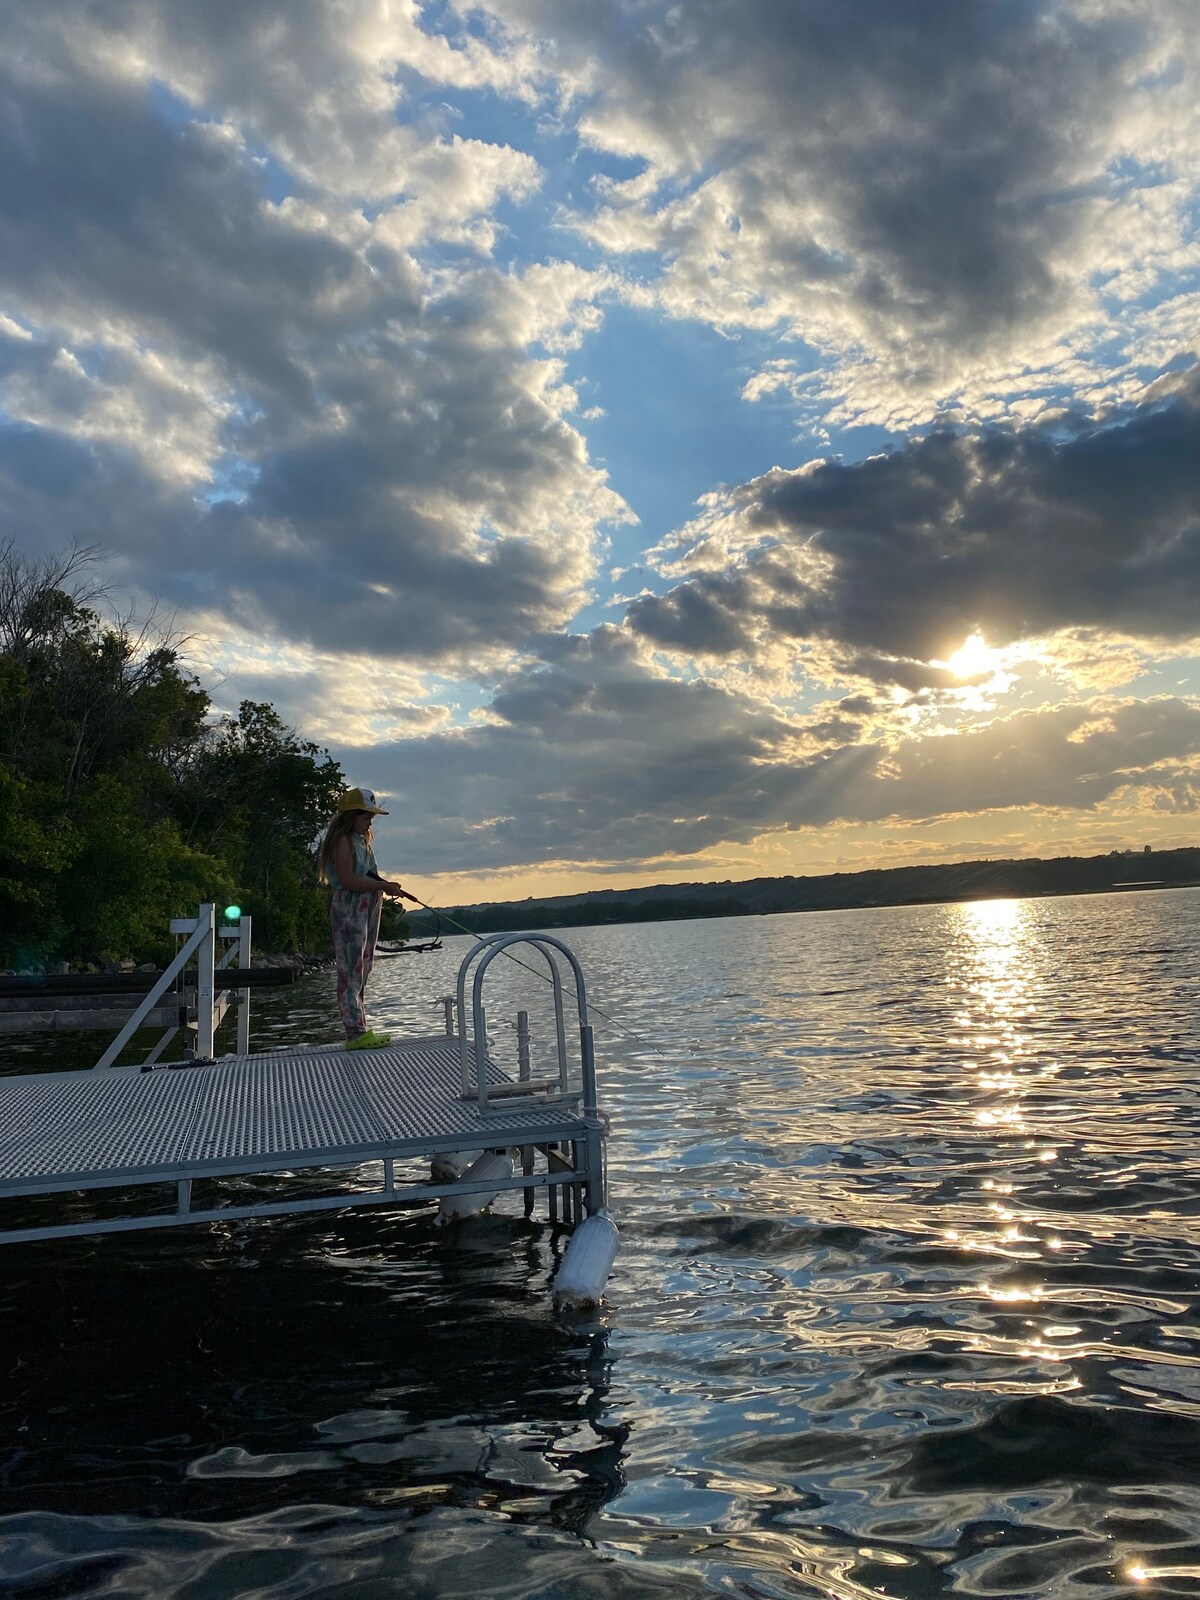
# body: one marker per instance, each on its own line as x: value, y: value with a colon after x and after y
x: 364, y: 861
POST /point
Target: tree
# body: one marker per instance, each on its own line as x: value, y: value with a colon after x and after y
x: 122, y: 802
x: 260, y: 796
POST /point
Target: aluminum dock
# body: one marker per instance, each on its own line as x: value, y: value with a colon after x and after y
x: 377, y: 1127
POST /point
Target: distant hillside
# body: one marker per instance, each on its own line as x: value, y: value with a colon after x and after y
x: 842, y: 891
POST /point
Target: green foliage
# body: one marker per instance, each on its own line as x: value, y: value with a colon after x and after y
x: 34, y: 851
x: 122, y: 803
x: 259, y: 796
x: 132, y: 872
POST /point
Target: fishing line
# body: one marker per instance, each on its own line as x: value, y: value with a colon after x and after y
x: 506, y: 952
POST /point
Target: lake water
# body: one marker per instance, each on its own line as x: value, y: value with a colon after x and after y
x: 906, y: 1303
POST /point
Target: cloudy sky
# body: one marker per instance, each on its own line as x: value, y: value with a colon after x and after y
x: 646, y: 440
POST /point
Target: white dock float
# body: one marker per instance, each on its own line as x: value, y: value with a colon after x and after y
x: 289, y: 1110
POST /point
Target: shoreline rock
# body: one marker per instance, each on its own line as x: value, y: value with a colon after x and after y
x: 63, y: 969
x: 299, y: 963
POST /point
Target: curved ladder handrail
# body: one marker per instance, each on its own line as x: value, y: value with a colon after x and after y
x: 479, y: 1024
x: 489, y: 947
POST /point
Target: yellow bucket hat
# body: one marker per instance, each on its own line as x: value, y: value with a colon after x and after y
x: 361, y: 800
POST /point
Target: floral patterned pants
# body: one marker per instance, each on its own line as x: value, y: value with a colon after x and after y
x: 354, y: 919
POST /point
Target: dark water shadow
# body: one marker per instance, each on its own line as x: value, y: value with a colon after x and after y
x: 294, y: 1377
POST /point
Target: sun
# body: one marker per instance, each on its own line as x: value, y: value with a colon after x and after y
x: 973, y: 658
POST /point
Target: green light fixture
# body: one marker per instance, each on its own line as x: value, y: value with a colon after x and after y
x: 233, y: 912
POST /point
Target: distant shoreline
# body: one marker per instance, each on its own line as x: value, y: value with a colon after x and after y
x: 947, y: 884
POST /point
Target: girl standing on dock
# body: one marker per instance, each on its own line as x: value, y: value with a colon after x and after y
x: 347, y: 862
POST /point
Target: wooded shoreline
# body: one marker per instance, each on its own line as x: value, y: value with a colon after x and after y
x: 1026, y: 878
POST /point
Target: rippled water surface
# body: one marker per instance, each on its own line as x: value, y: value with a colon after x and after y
x: 906, y: 1303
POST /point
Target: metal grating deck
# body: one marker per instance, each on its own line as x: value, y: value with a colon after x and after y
x: 254, y: 1114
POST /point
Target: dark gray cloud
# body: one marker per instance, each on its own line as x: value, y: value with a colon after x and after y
x: 711, y: 614
x: 1071, y: 758
x: 596, y: 757
x: 1018, y: 533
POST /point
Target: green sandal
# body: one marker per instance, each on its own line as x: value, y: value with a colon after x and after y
x: 369, y: 1041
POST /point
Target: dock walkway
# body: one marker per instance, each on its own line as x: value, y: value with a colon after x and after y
x: 319, y: 1109
x: 279, y: 1112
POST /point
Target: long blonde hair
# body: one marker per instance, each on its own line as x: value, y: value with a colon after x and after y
x: 340, y: 828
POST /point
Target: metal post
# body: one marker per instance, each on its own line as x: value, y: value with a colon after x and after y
x: 481, y: 1055
x: 461, y: 1030
x: 205, y: 982
x: 523, y: 1067
x: 243, y: 961
x: 594, y: 1144
x: 448, y: 1001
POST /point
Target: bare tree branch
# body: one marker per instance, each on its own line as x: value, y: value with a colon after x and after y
x: 26, y: 586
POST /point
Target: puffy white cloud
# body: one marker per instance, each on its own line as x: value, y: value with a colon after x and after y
x: 275, y: 405
x: 167, y: 413
x: 319, y: 89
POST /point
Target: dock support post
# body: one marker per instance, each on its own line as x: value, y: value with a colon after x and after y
x: 205, y: 980
x: 594, y: 1141
x: 481, y: 1056
x: 183, y: 1196
x: 523, y: 1066
x: 243, y: 961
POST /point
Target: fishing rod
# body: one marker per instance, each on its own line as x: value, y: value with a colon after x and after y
x: 506, y: 952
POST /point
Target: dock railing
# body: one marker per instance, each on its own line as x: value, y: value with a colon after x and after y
x: 201, y: 942
x: 485, y: 952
